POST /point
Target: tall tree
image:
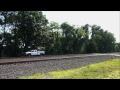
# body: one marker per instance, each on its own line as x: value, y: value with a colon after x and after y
x: 101, y: 41
x: 67, y: 37
x: 54, y: 41
x: 4, y: 23
x: 79, y: 40
x: 31, y: 28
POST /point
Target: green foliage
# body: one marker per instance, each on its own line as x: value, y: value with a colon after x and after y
x: 36, y: 76
x: 117, y: 47
x: 101, y: 41
x: 31, y: 30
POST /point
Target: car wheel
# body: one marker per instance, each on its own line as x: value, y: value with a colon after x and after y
x: 29, y: 55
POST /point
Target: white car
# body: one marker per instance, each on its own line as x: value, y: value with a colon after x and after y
x: 35, y: 52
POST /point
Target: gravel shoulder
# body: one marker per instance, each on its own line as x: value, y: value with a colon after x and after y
x: 13, y: 71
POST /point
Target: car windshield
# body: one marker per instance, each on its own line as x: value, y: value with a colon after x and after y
x: 31, y: 50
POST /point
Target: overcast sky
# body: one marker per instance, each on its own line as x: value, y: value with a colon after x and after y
x: 108, y: 20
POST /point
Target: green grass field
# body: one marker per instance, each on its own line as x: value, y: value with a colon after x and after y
x: 104, y: 70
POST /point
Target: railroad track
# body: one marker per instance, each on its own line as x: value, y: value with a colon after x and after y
x: 51, y: 57
x: 28, y: 66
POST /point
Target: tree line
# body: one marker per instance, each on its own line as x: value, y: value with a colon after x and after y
x: 21, y: 31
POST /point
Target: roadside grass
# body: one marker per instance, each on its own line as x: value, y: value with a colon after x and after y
x: 104, y: 70
x: 35, y: 76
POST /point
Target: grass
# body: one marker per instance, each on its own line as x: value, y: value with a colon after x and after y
x: 35, y: 76
x: 104, y: 70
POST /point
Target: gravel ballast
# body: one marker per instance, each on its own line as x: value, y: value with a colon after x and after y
x: 13, y: 71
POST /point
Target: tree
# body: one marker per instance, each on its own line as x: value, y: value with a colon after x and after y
x: 31, y: 28
x: 79, y: 40
x: 108, y: 42
x: 4, y: 23
x: 25, y: 30
x: 86, y: 28
x: 54, y: 41
x: 67, y: 37
x: 101, y: 41
x: 117, y: 47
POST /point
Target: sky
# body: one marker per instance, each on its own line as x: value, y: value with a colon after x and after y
x: 108, y: 20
